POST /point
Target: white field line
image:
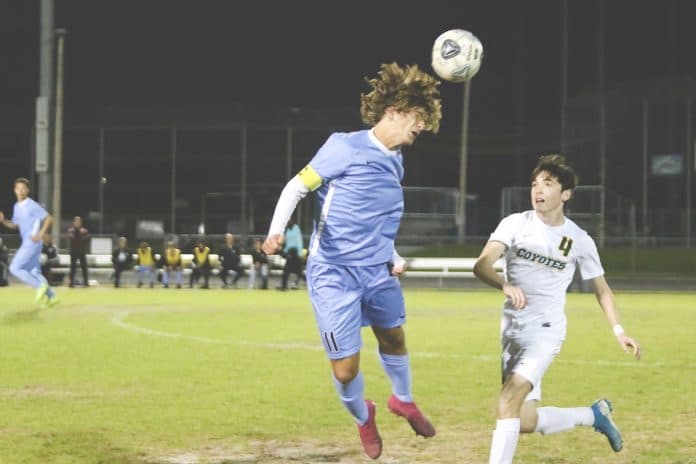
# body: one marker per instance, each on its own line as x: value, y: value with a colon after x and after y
x: 119, y: 320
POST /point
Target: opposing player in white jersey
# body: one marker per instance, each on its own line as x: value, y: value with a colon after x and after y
x: 352, y: 267
x: 33, y: 221
x: 541, y: 249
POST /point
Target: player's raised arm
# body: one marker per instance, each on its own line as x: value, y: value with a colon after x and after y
x: 295, y: 190
x: 605, y: 297
x: 484, y: 269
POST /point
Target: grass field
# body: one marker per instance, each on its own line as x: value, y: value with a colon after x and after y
x: 188, y: 376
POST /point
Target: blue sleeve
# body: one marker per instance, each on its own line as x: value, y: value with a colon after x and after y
x: 333, y: 158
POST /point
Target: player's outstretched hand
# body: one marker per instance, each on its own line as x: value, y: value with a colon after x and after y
x: 37, y: 237
x: 627, y: 342
x: 518, y: 298
x: 2, y: 217
x: 273, y: 244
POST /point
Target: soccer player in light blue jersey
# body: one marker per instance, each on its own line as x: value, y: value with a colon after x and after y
x: 33, y: 221
x: 353, y: 267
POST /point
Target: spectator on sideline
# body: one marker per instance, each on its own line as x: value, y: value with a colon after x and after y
x: 122, y: 259
x: 259, y: 265
x: 49, y: 257
x: 292, y: 251
x: 171, y: 263
x: 200, y: 265
x: 79, y: 244
x: 230, y: 260
x: 146, y: 264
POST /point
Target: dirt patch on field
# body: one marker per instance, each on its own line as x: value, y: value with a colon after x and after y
x: 454, y: 446
x: 460, y: 445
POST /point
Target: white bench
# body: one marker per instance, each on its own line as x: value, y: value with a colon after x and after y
x: 437, y: 268
x: 444, y: 268
x: 100, y: 264
x: 97, y: 264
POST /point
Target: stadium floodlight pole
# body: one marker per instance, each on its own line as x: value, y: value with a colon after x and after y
x: 58, y: 136
x: 602, y: 127
x: 687, y: 165
x: 243, y: 181
x: 201, y: 226
x: 42, y: 142
x: 288, y: 153
x: 173, y: 182
x: 564, y: 78
x: 645, y: 166
x: 288, y: 167
x: 463, y: 158
x: 102, y: 180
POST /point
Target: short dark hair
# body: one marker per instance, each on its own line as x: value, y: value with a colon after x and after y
x: 556, y: 166
x: 23, y: 180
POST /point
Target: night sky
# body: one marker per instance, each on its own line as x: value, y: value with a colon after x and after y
x: 315, y: 53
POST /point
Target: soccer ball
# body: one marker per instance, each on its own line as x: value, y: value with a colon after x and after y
x: 457, y: 55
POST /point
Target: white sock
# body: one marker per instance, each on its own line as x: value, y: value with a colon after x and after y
x: 504, y: 442
x: 554, y: 420
x: 352, y: 396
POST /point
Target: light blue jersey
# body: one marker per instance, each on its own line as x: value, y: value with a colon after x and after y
x: 360, y: 202
x: 28, y: 215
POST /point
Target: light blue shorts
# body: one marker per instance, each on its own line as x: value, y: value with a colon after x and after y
x: 345, y: 298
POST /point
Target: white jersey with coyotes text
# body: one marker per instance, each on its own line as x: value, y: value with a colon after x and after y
x: 541, y: 261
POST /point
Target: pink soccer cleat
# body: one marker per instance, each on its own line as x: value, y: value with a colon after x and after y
x: 372, y: 442
x: 419, y: 423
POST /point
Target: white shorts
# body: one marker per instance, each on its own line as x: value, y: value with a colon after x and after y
x: 530, y: 354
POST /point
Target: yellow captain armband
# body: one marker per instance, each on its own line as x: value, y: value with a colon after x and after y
x: 310, y: 178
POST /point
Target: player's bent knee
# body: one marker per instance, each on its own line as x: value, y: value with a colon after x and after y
x: 345, y: 376
x: 346, y: 369
x: 14, y: 269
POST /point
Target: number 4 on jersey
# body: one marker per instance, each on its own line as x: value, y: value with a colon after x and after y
x: 565, y: 246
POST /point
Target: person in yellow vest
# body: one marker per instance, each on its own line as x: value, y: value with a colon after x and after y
x: 171, y: 263
x: 146, y: 264
x: 200, y: 265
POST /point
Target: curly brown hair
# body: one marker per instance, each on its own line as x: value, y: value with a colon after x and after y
x: 404, y: 89
x: 556, y: 166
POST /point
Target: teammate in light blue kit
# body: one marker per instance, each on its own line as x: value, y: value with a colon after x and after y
x: 33, y: 221
x: 352, y: 267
